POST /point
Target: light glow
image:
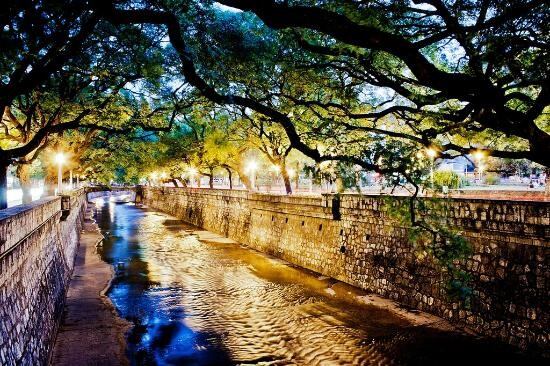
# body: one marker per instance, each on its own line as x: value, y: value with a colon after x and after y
x: 478, y: 155
x: 432, y: 153
x: 60, y: 158
x: 252, y: 166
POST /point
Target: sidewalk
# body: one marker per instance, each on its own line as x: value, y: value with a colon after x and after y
x: 90, y: 333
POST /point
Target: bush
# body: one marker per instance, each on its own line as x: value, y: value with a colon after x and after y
x: 492, y: 179
x: 446, y: 178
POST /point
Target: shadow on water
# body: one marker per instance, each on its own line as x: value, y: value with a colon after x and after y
x: 212, y: 302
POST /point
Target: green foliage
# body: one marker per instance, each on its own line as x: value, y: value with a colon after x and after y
x: 432, y: 237
x: 492, y: 179
x: 446, y: 178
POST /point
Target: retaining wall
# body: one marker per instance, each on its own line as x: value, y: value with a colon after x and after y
x: 37, y: 251
x: 359, y: 243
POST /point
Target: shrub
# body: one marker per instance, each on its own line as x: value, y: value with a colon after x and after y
x: 492, y: 179
x: 446, y: 178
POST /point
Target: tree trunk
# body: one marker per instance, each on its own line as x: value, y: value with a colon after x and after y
x: 230, y: 174
x: 3, y: 185
x: 244, y: 178
x: 340, y: 187
x: 175, y: 182
x: 24, y: 175
x: 286, y: 179
x: 211, y: 181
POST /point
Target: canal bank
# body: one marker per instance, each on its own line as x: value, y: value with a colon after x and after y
x: 91, y: 332
x: 38, y: 243
x: 355, y: 239
x: 197, y: 298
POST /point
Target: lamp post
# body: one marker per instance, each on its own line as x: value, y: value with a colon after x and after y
x: 251, y: 167
x: 431, y: 154
x: 59, y: 159
x: 478, y: 155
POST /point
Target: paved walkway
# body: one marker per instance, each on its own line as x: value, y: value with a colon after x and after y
x: 91, y: 333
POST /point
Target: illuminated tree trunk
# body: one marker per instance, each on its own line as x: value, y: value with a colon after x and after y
x: 286, y: 179
x: 24, y: 175
x: 340, y: 187
x: 230, y: 174
x: 244, y: 178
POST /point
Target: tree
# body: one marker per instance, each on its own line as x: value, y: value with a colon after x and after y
x: 499, y: 84
x: 403, y: 53
x: 51, y: 88
x: 271, y: 140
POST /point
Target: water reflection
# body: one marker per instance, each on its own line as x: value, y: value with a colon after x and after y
x: 209, y: 302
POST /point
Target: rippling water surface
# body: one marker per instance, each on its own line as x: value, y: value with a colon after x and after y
x: 210, y: 302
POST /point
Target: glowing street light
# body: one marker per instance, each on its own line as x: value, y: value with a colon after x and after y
x: 432, y: 153
x: 251, y: 168
x: 60, y: 160
x: 479, y: 156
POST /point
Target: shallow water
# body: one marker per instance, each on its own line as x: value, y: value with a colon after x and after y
x: 210, y: 302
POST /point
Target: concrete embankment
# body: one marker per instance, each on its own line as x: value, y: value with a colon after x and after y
x: 91, y: 333
x: 38, y: 242
x: 355, y: 239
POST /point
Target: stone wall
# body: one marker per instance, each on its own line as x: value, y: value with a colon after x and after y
x: 37, y: 251
x: 359, y: 243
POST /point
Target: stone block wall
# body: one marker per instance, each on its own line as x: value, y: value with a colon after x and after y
x: 359, y: 243
x: 37, y: 252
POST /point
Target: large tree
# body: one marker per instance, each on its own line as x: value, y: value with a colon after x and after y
x: 470, y: 65
x: 64, y: 69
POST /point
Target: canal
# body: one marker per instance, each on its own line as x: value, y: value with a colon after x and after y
x: 198, y: 299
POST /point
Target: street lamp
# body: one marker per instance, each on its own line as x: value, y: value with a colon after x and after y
x: 479, y: 155
x: 251, y: 167
x: 59, y: 159
x: 432, y: 153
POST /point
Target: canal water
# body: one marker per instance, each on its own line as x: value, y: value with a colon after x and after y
x: 197, y: 299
